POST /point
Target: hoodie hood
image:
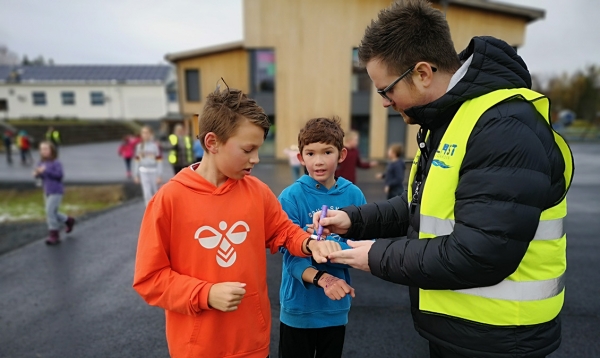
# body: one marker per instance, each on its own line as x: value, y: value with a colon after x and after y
x: 492, y: 65
x: 306, y: 196
x: 196, y: 183
x: 310, y: 185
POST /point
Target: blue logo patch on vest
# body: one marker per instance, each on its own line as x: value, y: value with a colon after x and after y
x: 440, y: 163
x: 444, y: 154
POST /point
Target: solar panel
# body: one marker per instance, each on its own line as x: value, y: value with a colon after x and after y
x: 67, y: 73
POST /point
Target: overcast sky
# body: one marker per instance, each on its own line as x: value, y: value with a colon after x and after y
x: 142, y: 32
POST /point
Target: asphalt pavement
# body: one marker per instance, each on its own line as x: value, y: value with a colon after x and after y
x: 76, y: 300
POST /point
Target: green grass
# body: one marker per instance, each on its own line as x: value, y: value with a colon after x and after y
x: 28, y: 205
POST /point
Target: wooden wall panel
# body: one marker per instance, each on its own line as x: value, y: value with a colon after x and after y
x: 231, y: 65
x: 313, y: 42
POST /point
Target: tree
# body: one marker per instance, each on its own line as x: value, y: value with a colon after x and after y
x: 579, y: 92
x: 8, y: 57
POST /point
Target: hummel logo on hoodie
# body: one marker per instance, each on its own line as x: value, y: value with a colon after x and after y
x: 226, y: 254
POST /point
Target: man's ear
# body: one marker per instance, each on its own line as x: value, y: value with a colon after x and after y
x: 211, y: 141
x: 425, y: 73
x: 299, y: 156
x: 343, y: 154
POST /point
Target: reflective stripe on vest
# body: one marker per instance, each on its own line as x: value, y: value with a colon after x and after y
x: 173, y: 152
x: 534, y: 293
x: 547, y: 230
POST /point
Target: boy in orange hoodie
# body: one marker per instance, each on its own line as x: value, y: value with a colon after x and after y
x: 201, y: 249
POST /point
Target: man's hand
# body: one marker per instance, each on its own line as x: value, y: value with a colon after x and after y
x: 226, y: 296
x: 337, y: 222
x: 320, y: 249
x: 158, y: 180
x: 335, y: 288
x: 357, y: 256
x: 136, y: 180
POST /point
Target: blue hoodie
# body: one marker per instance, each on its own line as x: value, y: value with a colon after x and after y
x: 304, y: 305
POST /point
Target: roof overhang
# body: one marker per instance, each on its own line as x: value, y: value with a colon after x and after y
x: 178, y: 56
x: 530, y: 14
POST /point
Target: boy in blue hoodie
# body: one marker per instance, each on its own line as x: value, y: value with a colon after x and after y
x: 315, y: 298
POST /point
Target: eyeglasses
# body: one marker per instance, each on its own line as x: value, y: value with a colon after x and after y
x: 383, y: 92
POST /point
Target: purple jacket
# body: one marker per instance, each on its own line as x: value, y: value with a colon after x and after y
x: 52, y: 177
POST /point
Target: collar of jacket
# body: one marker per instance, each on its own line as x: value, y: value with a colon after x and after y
x: 495, y: 65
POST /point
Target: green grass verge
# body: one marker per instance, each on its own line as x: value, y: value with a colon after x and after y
x: 28, y: 205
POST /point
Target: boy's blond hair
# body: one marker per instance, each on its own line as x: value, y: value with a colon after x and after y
x: 397, y: 149
x: 352, y: 135
x: 322, y: 130
x: 224, y: 111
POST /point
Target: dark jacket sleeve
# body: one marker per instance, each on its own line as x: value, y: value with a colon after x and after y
x: 504, y: 184
x: 388, y: 218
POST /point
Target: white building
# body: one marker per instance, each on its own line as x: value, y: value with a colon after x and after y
x: 136, y: 92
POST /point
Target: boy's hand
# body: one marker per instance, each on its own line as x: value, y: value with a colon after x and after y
x: 226, y: 296
x: 335, y: 288
x: 357, y: 257
x: 337, y: 222
x: 136, y: 180
x: 320, y: 249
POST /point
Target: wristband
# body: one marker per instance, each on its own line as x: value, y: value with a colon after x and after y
x: 310, y: 238
x: 317, y: 277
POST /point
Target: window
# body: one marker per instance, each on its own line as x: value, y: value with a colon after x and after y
x: 97, y: 98
x: 172, y: 92
x: 39, y: 98
x: 68, y: 98
x: 360, y: 78
x: 262, y: 70
x: 192, y: 85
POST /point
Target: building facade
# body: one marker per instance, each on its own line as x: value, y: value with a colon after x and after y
x: 298, y: 59
x: 88, y: 92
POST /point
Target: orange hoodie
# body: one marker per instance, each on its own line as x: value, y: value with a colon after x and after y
x: 194, y: 235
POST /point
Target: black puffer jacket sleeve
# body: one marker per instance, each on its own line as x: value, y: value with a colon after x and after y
x: 508, y: 176
x: 388, y: 218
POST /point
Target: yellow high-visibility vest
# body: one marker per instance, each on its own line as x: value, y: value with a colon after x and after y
x: 534, y: 293
x: 173, y: 152
x: 53, y: 136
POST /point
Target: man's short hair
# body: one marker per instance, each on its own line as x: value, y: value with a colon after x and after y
x: 407, y: 32
x: 322, y: 130
x: 223, y: 112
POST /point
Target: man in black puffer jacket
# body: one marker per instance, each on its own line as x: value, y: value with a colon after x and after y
x: 484, y: 254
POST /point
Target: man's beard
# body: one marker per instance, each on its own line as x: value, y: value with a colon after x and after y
x: 406, y: 118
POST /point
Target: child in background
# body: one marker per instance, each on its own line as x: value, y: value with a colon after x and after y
x: 24, y: 144
x: 394, y: 173
x: 50, y: 171
x: 313, y: 296
x: 292, y: 153
x: 347, y: 169
x: 126, y: 151
x: 147, y: 164
x: 201, y: 249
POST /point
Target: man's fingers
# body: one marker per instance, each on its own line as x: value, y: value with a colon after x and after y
x: 353, y: 243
